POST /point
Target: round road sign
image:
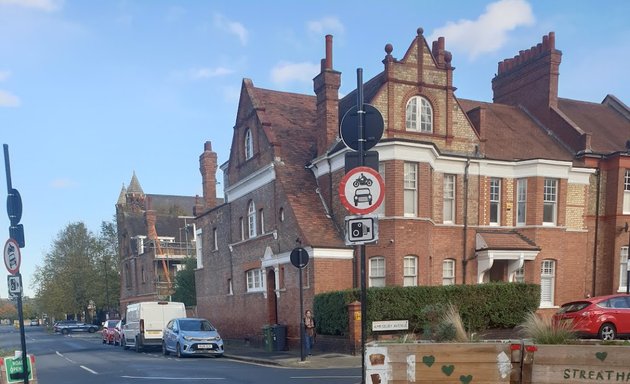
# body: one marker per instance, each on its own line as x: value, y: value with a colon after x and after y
x: 12, y: 257
x: 299, y: 257
x: 372, y: 127
x: 362, y: 190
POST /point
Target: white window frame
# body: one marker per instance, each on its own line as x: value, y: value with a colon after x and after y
x: 377, y: 271
x: 215, y: 239
x: 550, y: 201
x: 199, y: 246
x: 410, y: 271
x: 251, y: 219
x: 521, y: 202
x: 547, y: 283
x: 242, y: 224
x: 249, y: 145
x: 449, y: 199
x: 410, y: 185
x: 495, y: 200
x: 380, y: 211
x: 448, y: 272
x: 255, y: 281
x: 626, y: 192
x: 419, y: 115
x: 261, y: 218
x: 623, y: 269
x: 519, y: 275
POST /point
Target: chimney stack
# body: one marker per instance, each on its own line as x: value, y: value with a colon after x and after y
x: 208, y: 169
x: 326, y: 86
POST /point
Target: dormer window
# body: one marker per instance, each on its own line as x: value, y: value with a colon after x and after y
x: 419, y: 115
x: 249, y: 145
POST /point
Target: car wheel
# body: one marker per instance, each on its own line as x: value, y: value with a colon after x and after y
x: 164, y: 350
x: 123, y: 343
x: 178, y: 348
x: 91, y: 330
x: 218, y: 355
x: 65, y: 331
x: 137, y: 346
x: 607, y: 332
x: 103, y: 341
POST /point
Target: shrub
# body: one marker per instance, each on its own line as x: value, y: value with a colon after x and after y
x: 543, y: 330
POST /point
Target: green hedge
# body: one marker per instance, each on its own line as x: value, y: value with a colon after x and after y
x: 482, y: 306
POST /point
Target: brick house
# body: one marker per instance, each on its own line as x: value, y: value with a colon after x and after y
x: 155, y: 234
x: 530, y: 187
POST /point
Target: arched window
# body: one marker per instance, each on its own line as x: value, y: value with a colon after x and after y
x: 377, y: 272
x: 249, y: 145
x: 251, y: 219
x: 410, y: 271
x: 419, y: 115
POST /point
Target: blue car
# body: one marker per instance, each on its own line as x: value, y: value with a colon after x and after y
x: 191, y: 336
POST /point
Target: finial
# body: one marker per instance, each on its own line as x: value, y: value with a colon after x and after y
x: 420, y: 31
x: 389, y: 48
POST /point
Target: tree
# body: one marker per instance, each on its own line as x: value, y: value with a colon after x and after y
x: 185, y: 283
x: 79, y: 272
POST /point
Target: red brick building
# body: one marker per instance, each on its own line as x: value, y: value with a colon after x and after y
x: 530, y: 187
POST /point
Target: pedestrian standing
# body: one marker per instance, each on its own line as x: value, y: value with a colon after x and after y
x: 309, y: 330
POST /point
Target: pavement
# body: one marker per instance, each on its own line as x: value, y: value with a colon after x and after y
x: 240, y: 350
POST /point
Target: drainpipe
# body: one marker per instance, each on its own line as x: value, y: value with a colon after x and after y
x: 595, y: 239
x: 464, y: 258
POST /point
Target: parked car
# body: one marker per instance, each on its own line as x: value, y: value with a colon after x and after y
x: 34, y: 322
x: 66, y: 326
x: 191, y: 336
x: 111, y: 331
x: 145, y: 321
x: 603, y: 317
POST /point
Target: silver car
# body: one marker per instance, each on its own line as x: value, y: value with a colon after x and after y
x: 191, y: 336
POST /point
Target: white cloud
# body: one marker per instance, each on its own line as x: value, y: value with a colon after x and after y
x: 63, y: 183
x: 40, y: 5
x: 9, y: 100
x: 232, y: 27
x: 285, y: 72
x: 325, y: 25
x: 206, y: 73
x: 4, y: 75
x: 489, y: 32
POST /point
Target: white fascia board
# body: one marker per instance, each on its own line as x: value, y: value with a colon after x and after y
x: 251, y: 183
x: 425, y: 153
x: 313, y: 253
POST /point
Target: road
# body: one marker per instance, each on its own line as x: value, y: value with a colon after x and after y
x: 81, y: 358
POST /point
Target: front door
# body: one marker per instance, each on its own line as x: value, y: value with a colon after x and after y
x: 272, y: 302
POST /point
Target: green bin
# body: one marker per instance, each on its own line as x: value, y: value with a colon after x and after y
x: 267, y: 339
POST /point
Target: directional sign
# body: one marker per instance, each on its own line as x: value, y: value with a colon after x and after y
x: 362, y: 190
x: 361, y: 230
x: 12, y: 257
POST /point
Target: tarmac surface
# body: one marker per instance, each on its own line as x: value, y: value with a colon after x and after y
x: 239, y: 350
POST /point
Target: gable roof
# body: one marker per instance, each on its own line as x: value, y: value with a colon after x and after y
x: 289, y: 123
x: 511, y: 134
x: 609, y: 129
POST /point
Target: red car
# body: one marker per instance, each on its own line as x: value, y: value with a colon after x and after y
x: 603, y: 317
x: 111, y: 332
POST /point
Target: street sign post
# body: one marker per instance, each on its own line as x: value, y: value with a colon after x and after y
x: 299, y: 259
x: 362, y: 190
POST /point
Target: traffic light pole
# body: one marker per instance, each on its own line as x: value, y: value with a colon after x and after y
x: 361, y: 145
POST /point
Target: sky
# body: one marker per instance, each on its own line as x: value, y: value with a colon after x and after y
x: 92, y: 91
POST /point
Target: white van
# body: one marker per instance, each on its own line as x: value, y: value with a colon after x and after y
x: 144, y: 322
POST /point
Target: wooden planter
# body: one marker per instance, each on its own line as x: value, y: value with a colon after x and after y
x: 514, y: 362
x: 461, y: 363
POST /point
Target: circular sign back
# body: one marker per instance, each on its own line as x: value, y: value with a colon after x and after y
x: 362, y: 190
x: 299, y: 257
x: 372, y: 127
x: 12, y: 257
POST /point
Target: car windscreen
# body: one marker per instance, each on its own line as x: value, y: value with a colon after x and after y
x: 196, y: 325
x: 574, y: 307
x: 111, y: 323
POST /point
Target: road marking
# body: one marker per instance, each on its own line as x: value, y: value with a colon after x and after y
x: 89, y: 370
x: 325, y: 377
x: 173, y: 378
x: 61, y: 355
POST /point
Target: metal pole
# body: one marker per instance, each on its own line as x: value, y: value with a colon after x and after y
x: 22, y: 335
x: 361, y: 147
x: 301, y: 313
